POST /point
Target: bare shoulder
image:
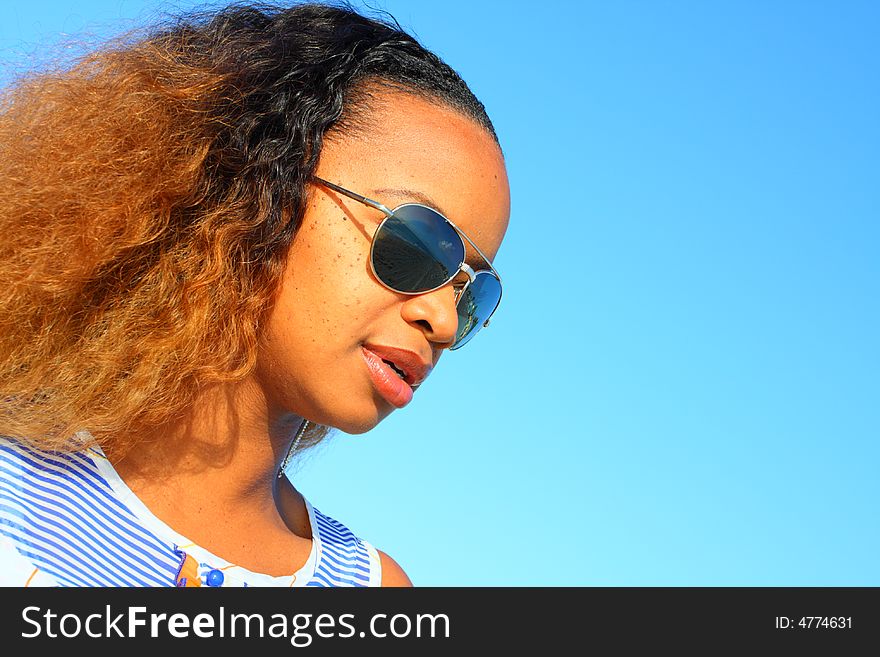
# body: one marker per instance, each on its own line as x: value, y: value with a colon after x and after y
x: 392, y: 573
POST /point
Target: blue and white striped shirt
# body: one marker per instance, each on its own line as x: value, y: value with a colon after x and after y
x: 70, y: 520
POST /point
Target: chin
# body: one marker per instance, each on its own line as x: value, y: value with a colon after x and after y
x: 357, y: 423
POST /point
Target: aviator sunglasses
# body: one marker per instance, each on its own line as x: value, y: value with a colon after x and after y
x: 417, y: 250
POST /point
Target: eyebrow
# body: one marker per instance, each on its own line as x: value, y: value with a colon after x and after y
x: 405, y: 194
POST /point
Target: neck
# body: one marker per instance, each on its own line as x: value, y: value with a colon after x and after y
x: 224, y: 453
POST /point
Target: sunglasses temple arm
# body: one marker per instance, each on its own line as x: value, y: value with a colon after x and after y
x: 356, y: 197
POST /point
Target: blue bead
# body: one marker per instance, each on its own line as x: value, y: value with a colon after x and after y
x: 215, y: 578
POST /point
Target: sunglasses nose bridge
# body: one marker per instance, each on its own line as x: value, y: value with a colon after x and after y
x: 472, y: 276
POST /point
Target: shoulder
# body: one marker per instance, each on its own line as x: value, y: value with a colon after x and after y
x: 392, y: 573
x: 345, y: 559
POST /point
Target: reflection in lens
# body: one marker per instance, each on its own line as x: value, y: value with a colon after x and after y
x: 476, y: 305
x: 416, y: 250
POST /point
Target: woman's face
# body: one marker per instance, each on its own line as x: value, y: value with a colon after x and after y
x: 333, y: 321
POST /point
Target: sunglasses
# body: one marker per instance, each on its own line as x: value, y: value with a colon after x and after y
x: 417, y: 250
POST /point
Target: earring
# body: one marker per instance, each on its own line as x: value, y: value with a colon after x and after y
x: 293, y: 446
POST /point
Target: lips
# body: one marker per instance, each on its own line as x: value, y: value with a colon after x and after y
x: 384, y: 363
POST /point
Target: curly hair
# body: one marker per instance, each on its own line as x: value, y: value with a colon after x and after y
x: 149, y: 195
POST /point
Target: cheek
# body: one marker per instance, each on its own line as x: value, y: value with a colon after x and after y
x: 329, y: 291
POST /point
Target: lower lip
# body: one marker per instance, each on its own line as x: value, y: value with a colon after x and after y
x: 393, y: 389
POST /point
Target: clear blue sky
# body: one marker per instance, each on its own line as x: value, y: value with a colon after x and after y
x: 682, y: 386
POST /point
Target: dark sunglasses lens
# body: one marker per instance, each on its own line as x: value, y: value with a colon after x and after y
x: 477, y: 304
x: 416, y: 250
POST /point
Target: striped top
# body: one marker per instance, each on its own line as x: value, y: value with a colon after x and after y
x: 70, y: 520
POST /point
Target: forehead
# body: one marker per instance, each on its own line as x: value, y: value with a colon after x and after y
x: 407, y: 149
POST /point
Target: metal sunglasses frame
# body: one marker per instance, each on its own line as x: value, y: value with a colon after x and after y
x: 462, y: 267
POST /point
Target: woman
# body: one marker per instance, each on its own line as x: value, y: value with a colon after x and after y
x: 221, y: 240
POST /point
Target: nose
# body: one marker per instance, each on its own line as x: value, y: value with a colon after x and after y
x: 434, y: 313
